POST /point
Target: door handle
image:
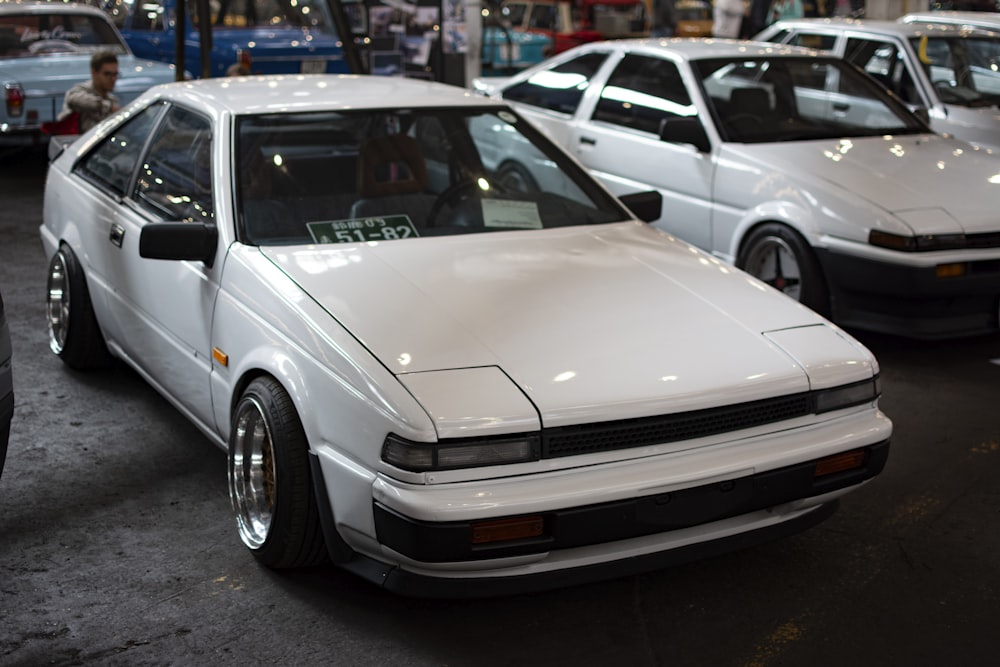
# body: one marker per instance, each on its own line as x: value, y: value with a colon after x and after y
x: 588, y: 140
x: 117, y: 234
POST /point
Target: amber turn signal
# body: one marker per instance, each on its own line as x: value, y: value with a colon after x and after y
x: 840, y: 462
x: 504, y: 530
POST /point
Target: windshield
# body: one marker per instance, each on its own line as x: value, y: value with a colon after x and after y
x: 342, y: 177
x: 964, y: 70
x: 789, y: 99
x: 28, y: 35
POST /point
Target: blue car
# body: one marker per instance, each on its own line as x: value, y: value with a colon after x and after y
x: 45, y: 49
x: 508, y: 49
x: 264, y: 36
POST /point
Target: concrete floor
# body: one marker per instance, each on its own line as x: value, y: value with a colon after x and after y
x: 117, y: 546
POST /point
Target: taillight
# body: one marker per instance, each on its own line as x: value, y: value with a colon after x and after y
x: 14, y: 97
x: 244, y: 59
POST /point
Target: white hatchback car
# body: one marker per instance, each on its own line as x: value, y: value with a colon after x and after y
x: 949, y: 72
x: 791, y: 164
x: 449, y: 385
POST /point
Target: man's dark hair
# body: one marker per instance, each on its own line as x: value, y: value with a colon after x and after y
x: 102, y: 58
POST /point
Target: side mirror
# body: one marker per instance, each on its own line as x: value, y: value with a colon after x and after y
x: 685, y: 130
x: 194, y: 241
x: 647, y: 206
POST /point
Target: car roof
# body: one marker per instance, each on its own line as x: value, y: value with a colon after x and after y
x: 954, y: 17
x: 684, y: 48
x: 875, y: 26
x: 294, y: 93
x: 34, y: 7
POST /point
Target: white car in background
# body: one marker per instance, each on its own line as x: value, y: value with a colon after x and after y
x: 950, y: 73
x: 446, y: 383
x: 791, y: 164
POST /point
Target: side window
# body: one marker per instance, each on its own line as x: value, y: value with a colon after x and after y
x: 884, y: 61
x: 112, y: 164
x: 642, y: 92
x: 175, y: 180
x: 560, y: 88
x: 816, y: 41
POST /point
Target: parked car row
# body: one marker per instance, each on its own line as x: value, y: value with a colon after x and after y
x: 525, y: 313
x: 789, y: 164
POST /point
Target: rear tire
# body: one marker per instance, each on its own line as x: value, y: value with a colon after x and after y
x: 74, y: 334
x: 270, y: 485
x: 780, y: 257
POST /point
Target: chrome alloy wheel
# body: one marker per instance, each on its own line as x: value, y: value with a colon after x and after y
x: 252, y: 487
x: 774, y: 262
x: 57, y: 306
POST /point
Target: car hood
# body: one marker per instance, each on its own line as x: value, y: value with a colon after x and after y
x: 601, y: 322
x: 899, y: 174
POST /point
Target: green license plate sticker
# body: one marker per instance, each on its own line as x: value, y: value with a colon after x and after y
x: 511, y: 214
x: 357, y: 230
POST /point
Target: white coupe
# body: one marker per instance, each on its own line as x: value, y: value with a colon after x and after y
x: 437, y: 377
x: 791, y: 164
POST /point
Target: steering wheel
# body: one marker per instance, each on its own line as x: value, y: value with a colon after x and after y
x: 451, y: 196
x: 52, y: 46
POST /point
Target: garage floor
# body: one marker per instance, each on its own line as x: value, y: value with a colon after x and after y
x: 117, y: 546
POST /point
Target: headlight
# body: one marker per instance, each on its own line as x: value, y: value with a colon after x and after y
x: 922, y: 243
x: 460, y: 453
x: 847, y: 395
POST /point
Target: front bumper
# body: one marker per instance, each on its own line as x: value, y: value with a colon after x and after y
x: 428, y: 585
x: 910, y: 300
x: 568, y: 528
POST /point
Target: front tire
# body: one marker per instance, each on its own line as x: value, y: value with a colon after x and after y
x: 74, y: 334
x: 269, y: 480
x: 780, y: 257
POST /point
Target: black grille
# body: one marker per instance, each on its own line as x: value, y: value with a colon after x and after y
x: 640, y: 432
x: 985, y: 240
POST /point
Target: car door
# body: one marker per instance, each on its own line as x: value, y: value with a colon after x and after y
x: 618, y: 141
x: 160, y: 311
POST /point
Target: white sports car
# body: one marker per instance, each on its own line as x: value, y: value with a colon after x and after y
x: 443, y: 380
x: 791, y: 164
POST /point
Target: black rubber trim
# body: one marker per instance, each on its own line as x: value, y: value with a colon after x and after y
x: 336, y: 547
x: 403, y: 582
x: 566, y: 528
x: 912, y: 301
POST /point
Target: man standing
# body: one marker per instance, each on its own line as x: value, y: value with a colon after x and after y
x: 93, y: 100
x: 727, y: 18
